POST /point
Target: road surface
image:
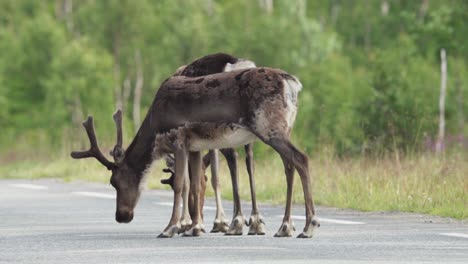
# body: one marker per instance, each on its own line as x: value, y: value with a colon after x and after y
x: 48, y: 221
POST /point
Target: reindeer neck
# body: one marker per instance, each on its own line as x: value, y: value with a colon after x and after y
x: 139, y: 153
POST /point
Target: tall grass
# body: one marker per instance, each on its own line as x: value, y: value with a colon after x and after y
x: 421, y: 183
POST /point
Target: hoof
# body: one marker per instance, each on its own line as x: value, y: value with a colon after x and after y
x: 305, y: 235
x: 286, y: 230
x: 237, y: 226
x: 196, y: 230
x: 185, y: 224
x: 309, y: 229
x: 220, y: 226
x: 257, y: 225
x: 170, y: 231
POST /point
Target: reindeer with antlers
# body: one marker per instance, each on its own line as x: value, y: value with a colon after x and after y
x: 210, y: 112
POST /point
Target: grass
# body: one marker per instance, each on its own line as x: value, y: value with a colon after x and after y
x: 423, y: 183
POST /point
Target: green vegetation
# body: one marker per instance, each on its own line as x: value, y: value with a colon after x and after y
x: 370, y: 70
x: 423, y: 184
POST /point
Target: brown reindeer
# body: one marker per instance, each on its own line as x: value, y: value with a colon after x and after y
x: 210, y: 112
x: 210, y: 64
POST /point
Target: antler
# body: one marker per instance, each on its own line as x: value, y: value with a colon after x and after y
x: 118, y: 152
x: 118, y: 124
x: 170, y: 163
x: 94, y: 151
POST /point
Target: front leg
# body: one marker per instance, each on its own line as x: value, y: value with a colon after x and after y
x: 195, y: 167
x: 181, y: 172
x: 221, y: 223
x: 186, y: 220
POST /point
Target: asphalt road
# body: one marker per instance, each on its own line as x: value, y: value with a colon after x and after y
x: 48, y: 221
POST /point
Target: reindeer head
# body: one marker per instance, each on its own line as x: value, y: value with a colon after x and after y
x: 124, y: 179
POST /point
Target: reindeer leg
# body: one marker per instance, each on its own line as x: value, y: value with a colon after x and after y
x: 300, y: 161
x: 181, y: 172
x: 220, y: 222
x: 287, y: 227
x: 202, y: 196
x: 238, y: 220
x: 256, y: 223
x: 195, y: 167
x: 186, y: 220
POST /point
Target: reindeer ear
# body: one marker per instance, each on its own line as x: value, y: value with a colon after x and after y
x: 118, y: 154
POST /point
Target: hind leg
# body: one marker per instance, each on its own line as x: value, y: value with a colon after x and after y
x: 300, y: 162
x: 238, y: 220
x: 287, y: 228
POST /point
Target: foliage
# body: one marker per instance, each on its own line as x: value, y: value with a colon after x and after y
x: 370, y: 74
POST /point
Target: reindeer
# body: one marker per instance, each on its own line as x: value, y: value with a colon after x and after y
x: 210, y: 64
x: 210, y: 112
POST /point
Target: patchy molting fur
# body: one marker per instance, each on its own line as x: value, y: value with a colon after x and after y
x: 291, y: 90
x: 179, y: 70
x: 280, y: 88
x: 200, y: 136
x: 269, y: 111
x: 143, y: 184
x: 239, y: 65
x: 214, y: 63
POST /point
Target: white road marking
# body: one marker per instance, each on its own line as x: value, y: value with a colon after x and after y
x: 177, y: 249
x: 206, y: 207
x: 29, y: 186
x: 166, y: 204
x: 455, y: 235
x: 336, y: 221
x: 96, y: 194
x: 328, y: 220
x: 170, y: 205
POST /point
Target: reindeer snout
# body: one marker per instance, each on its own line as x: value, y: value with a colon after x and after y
x: 124, y: 216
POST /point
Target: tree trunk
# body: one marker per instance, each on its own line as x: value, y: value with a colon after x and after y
x: 368, y: 31
x: 63, y: 11
x: 423, y: 8
x: 334, y: 13
x: 68, y: 8
x: 301, y: 8
x: 209, y: 7
x: 384, y: 7
x: 77, y: 117
x: 127, y: 88
x: 267, y: 5
x: 443, y: 90
x: 117, y: 87
x: 461, y: 116
x: 138, y: 90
